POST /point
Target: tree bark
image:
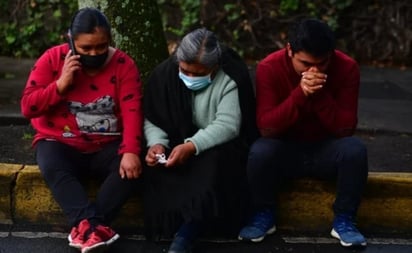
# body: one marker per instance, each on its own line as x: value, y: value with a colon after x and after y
x: 136, y: 29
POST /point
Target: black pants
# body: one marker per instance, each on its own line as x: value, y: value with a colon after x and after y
x: 272, y: 162
x: 64, y: 169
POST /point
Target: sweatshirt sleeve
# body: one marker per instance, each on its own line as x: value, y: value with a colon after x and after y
x: 131, y: 113
x: 338, y: 113
x: 40, y: 93
x: 226, y: 124
x: 278, y: 101
x: 155, y: 135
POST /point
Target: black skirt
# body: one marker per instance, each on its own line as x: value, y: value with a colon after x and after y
x: 210, y: 188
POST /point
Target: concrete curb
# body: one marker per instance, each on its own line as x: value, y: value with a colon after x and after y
x: 386, y: 204
x: 304, y: 206
x: 34, y: 203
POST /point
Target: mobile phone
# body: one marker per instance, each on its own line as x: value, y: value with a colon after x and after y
x: 71, y: 43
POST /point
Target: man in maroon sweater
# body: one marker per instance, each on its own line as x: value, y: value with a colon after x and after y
x: 307, y: 99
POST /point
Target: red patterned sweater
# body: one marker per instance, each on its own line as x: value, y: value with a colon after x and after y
x: 96, y: 110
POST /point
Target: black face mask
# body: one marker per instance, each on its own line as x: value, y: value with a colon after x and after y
x: 93, y: 61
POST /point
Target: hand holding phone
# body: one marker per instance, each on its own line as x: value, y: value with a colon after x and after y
x: 71, y: 65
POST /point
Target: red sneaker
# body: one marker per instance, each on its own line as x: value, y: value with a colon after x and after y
x: 78, y: 234
x: 102, y: 236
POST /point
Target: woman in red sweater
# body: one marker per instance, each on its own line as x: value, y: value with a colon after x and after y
x: 84, y: 100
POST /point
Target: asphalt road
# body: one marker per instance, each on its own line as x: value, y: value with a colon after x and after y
x: 38, y: 242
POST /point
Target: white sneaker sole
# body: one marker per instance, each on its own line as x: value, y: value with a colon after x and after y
x: 259, y: 239
x: 71, y: 244
x: 99, y: 247
x: 335, y: 234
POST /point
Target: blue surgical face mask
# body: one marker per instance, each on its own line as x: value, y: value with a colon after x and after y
x: 195, y: 82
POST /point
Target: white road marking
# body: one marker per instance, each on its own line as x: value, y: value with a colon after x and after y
x: 324, y: 240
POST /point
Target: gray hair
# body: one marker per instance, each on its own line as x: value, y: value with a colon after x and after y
x: 199, y: 46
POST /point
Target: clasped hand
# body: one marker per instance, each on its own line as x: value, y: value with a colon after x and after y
x: 312, y: 81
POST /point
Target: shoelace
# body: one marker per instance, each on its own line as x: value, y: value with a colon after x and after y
x: 346, y: 226
x: 261, y: 219
x: 94, y: 239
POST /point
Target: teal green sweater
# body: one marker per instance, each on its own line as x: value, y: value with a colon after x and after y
x: 216, y: 113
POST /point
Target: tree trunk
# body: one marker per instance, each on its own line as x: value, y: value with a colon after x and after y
x: 136, y: 29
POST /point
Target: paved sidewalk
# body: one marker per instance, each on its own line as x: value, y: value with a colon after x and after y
x: 385, y: 100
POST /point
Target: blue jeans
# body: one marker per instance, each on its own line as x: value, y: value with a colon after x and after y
x: 272, y: 161
x: 65, y: 170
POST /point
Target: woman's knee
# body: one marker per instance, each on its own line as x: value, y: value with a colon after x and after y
x: 51, y: 159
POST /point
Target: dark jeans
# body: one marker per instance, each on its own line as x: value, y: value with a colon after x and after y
x: 64, y: 169
x: 273, y: 161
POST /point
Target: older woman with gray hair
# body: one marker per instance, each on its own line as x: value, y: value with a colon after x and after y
x: 199, y: 122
